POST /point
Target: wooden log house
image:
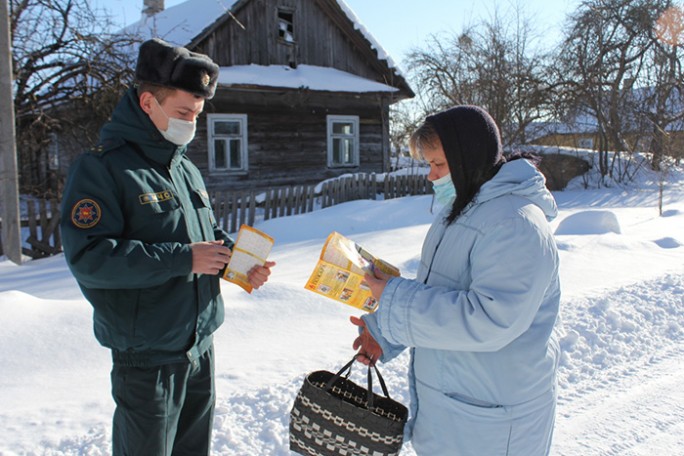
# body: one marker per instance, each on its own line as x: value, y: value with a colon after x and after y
x: 304, y: 91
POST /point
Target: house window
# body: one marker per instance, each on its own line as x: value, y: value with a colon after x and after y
x: 227, y: 142
x: 286, y: 25
x: 586, y: 143
x: 343, y: 141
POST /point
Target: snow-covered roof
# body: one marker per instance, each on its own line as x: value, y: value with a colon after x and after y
x: 304, y: 76
x: 187, y: 22
x: 635, y: 117
x: 181, y: 23
x: 382, y: 54
x: 537, y: 130
x: 588, y: 125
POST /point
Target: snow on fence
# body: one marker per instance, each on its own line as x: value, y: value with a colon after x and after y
x: 232, y: 209
x: 40, y: 220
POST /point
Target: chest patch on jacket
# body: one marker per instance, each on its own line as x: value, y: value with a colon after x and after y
x: 147, y: 198
x: 86, y: 213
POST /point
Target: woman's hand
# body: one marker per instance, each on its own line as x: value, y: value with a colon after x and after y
x: 258, y: 275
x: 376, y: 282
x: 369, y: 349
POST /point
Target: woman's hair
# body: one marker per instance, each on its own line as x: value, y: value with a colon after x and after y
x: 472, y: 147
x: 424, y: 137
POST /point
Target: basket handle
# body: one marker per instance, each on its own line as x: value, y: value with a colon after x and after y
x: 347, y: 367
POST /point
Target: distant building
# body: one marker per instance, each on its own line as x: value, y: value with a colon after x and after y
x: 643, y: 127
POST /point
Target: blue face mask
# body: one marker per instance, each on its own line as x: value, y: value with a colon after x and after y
x: 445, y: 192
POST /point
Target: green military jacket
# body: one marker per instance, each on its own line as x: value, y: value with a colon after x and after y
x: 130, y: 209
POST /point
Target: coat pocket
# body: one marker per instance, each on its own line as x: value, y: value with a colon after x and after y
x: 205, y: 215
x: 476, y: 408
x: 446, y: 424
x: 155, y: 217
x: 114, y: 318
x: 165, y: 317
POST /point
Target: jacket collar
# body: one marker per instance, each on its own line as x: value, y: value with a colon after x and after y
x: 130, y: 123
x: 521, y: 178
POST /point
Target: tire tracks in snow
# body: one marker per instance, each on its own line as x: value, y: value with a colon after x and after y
x: 621, y: 372
x: 641, y: 414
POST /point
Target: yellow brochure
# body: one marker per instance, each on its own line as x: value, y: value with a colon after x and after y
x: 251, y: 249
x: 339, y: 273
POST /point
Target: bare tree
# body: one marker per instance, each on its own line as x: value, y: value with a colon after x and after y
x: 68, y: 70
x: 602, y: 57
x: 405, y: 119
x: 492, y: 64
x: 661, y: 106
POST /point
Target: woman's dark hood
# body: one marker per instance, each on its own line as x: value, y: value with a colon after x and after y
x: 472, y: 145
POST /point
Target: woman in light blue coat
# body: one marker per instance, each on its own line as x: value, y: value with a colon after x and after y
x: 479, y: 317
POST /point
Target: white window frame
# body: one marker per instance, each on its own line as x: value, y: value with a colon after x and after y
x: 354, y: 120
x: 288, y: 25
x: 211, y: 136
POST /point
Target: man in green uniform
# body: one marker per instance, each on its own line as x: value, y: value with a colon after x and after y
x: 140, y: 237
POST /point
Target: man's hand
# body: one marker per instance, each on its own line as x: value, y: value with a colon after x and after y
x: 209, y: 257
x: 369, y: 349
x: 258, y: 275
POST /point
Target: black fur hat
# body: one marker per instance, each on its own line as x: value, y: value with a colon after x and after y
x: 169, y: 66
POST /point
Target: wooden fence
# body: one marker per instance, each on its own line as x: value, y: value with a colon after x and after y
x: 367, y: 186
x: 42, y: 223
x: 232, y: 209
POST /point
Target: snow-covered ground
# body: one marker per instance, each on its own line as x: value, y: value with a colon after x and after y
x: 620, y: 378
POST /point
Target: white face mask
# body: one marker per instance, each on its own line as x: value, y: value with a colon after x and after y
x: 179, y: 132
x: 445, y: 192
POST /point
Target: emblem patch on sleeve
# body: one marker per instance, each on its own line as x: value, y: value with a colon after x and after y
x: 86, y: 213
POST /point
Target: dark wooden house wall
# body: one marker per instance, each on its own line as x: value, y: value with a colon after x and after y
x: 287, y: 137
x: 319, y: 40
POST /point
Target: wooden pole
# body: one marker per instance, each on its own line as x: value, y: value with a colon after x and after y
x: 9, y: 177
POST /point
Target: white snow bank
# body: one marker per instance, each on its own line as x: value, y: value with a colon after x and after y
x: 589, y: 222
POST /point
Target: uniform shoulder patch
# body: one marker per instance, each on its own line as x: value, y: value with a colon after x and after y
x: 86, y: 213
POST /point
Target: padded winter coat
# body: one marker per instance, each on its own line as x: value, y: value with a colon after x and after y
x: 130, y: 210
x: 479, y: 319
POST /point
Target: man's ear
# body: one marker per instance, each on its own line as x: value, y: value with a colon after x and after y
x: 146, y: 99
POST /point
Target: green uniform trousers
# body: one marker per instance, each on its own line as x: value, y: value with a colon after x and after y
x: 165, y: 410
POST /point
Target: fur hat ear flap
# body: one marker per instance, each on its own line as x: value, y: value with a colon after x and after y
x: 163, y: 64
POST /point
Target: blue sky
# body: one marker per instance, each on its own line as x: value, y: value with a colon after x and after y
x: 400, y: 25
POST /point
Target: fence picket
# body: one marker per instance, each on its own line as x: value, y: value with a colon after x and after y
x: 32, y: 219
x: 233, y: 213
x: 252, y: 209
x: 289, y: 204
x: 56, y: 233
x: 42, y: 207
